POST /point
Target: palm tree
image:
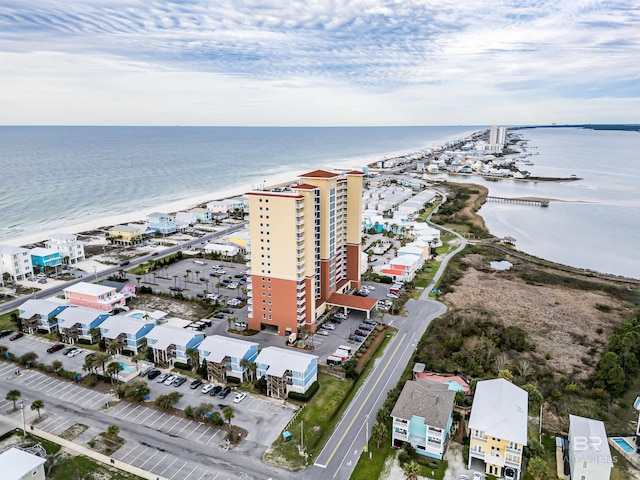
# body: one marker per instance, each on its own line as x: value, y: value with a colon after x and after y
x: 175, y: 278
x: 137, y: 357
x: 113, y: 347
x: 227, y: 413
x: 101, y: 359
x: 13, y: 396
x: 112, y: 431
x: 378, y: 433
x: 246, y: 365
x: 194, y: 356
x: 37, y: 405
x: 114, y: 368
x: 411, y: 470
x: 197, y: 272
x: 89, y: 364
x: 187, y: 275
x: 206, y: 286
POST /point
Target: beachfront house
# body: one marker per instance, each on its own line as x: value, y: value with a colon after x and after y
x: 15, y: 263
x: 416, y: 252
x: 202, y: 215
x: 286, y: 371
x: 77, y: 323
x: 125, y: 234
x: 423, y: 416
x: 36, y: 314
x: 223, y: 356
x: 161, y: 223
x: 589, y: 453
x: 92, y: 295
x: 226, y: 206
x: 43, y: 258
x: 401, y: 269
x: 125, y: 288
x: 70, y: 248
x: 170, y: 344
x: 129, y: 332
x: 498, y: 428
x: 17, y: 464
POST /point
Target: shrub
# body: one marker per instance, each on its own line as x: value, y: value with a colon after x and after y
x: 234, y: 380
x: 305, y: 397
x: 182, y: 366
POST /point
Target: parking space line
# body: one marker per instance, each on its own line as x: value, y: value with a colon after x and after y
x: 154, y: 454
x: 195, y: 430
x: 165, y: 468
x: 205, y: 473
x: 153, y: 468
x: 178, y: 434
x: 57, y: 386
x: 132, y: 411
x: 183, y: 465
x: 160, y: 427
x: 92, y: 400
x: 211, y: 438
x: 87, y: 393
x: 42, y: 380
x: 117, y: 409
x: 144, y: 410
x: 147, y: 417
x: 175, y: 425
x: 62, y: 427
x: 162, y: 415
x: 49, y: 422
x: 198, y: 439
x: 142, y: 453
x: 194, y: 469
x: 129, y: 452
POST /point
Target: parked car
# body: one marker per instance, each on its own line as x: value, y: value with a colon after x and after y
x: 153, y: 374
x: 224, y: 392
x: 361, y: 333
x: 364, y: 326
x: 463, y: 477
x: 162, y: 378
x: 477, y: 476
x: 215, y: 391
x: 16, y: 336
x: 355, y: 338
x: 239, y: 397
x: 67, y: 350
x: 195, y: 384
x: 392, y: 295
x: 55, y: 348
x: 179, y: 381
x: 226, y: 310
x: 328, y: 326
x: 169, y: 380
x: 200, y: 295
x: 368, y: 321
x: 91, y: 354
x: 74, y: 352
x: 207, y: 388
x: 219, y: 315
x: 322, y: 332
x: 202, y: 279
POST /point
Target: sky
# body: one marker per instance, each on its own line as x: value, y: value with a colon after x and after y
x: 319, y: 62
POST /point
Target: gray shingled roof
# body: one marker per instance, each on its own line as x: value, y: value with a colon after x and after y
x: 432, y: 401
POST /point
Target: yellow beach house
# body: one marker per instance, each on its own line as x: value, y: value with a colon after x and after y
x: 126, y: 234
x: 498, y: 428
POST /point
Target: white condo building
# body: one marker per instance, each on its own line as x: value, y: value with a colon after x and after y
x: 70, y: 248
x: 497, y: 138
x: 16, y: 261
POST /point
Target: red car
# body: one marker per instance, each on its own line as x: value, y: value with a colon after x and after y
x: 154, y: 254
x: 16, y: 336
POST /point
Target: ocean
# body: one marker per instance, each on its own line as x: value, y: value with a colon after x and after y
x: 592, y: 223
x: 57, y: 176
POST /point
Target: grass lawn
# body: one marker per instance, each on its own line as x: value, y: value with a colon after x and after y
x: 319, y: 417
x: 371, y: 466
x: 73, y: 468
x: 6, y: 323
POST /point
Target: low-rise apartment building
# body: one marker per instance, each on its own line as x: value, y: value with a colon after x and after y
x: 95, y: 296
x: 36, y: 314
x: 15, y: 262
x: 224, y: 355
x: 75, y: 323
x: 170, y: 344
x: 286, y: 370
x: 70, y: 248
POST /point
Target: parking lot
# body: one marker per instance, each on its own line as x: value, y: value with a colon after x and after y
x: 39, y: 346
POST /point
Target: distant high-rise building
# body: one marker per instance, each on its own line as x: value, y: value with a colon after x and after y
x: 305, y: 246
x: 497, y: 138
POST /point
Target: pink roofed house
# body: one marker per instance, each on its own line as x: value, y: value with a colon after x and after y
x: 91, y: 295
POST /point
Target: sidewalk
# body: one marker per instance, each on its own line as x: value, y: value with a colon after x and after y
x: 10, y: 422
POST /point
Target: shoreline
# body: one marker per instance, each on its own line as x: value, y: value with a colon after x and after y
x: 173, y: 206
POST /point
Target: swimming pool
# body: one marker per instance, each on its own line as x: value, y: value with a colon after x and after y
x: 136, y: 315
x: 622, y: 443
x: 126, y: 369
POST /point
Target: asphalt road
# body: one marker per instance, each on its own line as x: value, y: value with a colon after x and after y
x: 13, y: 304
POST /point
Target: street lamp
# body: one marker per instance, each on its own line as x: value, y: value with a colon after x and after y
x: 24, y: 426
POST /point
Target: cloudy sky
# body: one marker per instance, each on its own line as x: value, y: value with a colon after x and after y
x: 319, y: 62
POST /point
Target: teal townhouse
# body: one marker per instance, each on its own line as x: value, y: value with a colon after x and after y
x: 170, y: 344
x: 38, y: 314
x: 223, y: 356
x: 286, y: 371
x: 77, y: 323
x: 127, y: 331
x: 45, y: 257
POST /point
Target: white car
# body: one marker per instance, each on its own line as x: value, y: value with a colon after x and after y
x: 207, y: 388
x: 369, y: 287
x: 239, y: 397
x: 392, y: 295
x: 477, y: 476
x: 463, y: 477
x: 75, y: 352
x: 324, y: 333
x: 170, y: 380
x: 329, y: 326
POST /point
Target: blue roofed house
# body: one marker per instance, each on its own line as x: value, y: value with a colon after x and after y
x: 38, y: 314
x: 161, y: 223
x: 286, y: 371
x: 129, y: 332
x: 77, y: 323
x: 223, y: 356
x: 170, y: 344
x: 45, y: 257
x: 203, y: 215
x: 423, y: 416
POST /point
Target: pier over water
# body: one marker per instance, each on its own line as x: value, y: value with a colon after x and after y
x: 520, y: 201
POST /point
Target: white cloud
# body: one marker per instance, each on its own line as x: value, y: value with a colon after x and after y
x: 316, y: 63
